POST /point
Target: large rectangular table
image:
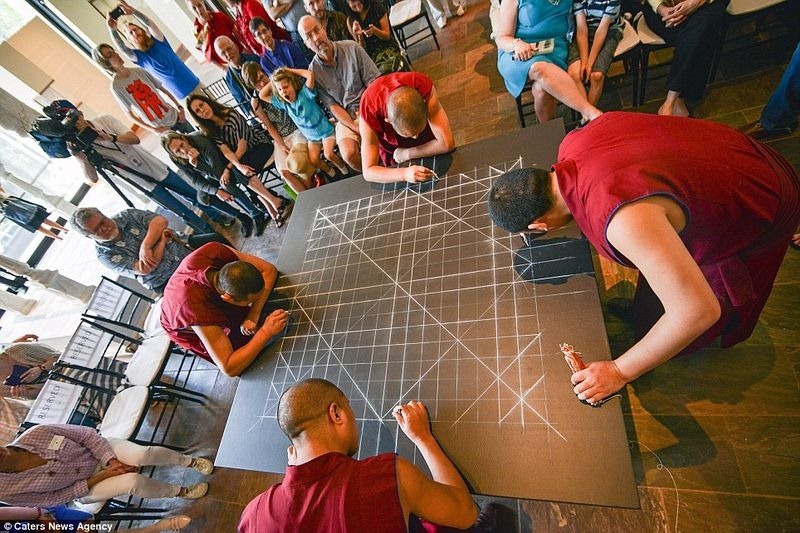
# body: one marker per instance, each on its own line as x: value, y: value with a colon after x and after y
x: 410, y: 292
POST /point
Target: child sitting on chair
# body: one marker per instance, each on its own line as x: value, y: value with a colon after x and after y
x: 598, y: 30
x: 287, y: 91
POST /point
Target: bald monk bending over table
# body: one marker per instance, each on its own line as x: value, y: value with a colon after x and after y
x: 325, y: 490
x: 402, y: 119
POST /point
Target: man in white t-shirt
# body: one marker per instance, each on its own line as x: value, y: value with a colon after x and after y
x: 140, y: 95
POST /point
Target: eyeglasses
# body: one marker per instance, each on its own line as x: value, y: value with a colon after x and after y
x: 529, y: 236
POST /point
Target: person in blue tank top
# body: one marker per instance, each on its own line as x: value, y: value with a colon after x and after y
x: 152, y: 52
x: 288, y: 91
x: 532, y: 41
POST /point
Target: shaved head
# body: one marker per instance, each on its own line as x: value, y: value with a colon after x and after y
x: 407, y: 112
x: 305, y: 404
x: 241, y: 280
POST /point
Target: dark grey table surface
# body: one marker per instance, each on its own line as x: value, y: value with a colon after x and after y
x: 410, y: 292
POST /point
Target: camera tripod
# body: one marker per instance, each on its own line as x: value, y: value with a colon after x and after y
x: 105, y: 166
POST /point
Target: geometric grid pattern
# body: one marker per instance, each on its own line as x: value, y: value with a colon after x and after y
x: 412, y: 295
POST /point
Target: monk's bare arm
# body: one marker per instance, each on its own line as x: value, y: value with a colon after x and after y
x: 443, y: 500
x: 643, y: 233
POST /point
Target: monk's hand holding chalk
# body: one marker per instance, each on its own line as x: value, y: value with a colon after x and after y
x: 417, y: 174
x: 598, y: 381
x: 413, y: 420
x: 275, y: 322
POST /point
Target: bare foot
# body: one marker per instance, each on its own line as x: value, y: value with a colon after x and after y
x: 665, y: 109
x: 675, y: 109
x: 680, y: 109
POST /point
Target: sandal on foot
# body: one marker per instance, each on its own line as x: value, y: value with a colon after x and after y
x: 170, y: 523
x: 194, y: 492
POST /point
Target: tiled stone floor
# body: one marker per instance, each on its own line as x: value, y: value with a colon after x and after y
x: 714, y: 436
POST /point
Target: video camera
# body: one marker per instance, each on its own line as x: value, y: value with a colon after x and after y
x: 56, y: 132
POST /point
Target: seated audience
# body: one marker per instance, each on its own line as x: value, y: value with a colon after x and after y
x: 276, y: 53
x: 55, y: 464
x: 342, y: 70
x: 334, y: 22
x: 213, y: 306
x: 246, y: 10
x: 525, y: 26
x: 401, y: 119
x: 138, y: 244
x: 208, y: 25
x: 324, y: 486
x: 199, y: 159
x: 598, y: 31
x: 289, y: 91
x: 368, y: 22
x: 645, y: 193
x: 27, y: 351
x: 24, y: 366
x: 229, y: 53
x: 150, y: 50
x: 248, y: 151
x: 280, y: 127
x: 139, y: 94
x: 693, y: 27
x: 117, y: 143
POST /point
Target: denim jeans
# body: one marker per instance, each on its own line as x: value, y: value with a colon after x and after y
x: 783, y: 106
x: 173, y: 182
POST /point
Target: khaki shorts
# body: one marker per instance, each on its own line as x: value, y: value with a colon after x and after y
x: 293, y: 138
x: 343, y: 132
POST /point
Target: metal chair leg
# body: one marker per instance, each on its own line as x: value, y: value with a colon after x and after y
x: 643, y: 67
x: 430, y: 27
x: 520, y: 114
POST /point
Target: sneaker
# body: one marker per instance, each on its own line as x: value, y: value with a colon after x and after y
x: 487, y: 519
x: 202, y: 465
x: 286, y: 210
x: 759, y: 133
x: 225, y: 221
x: 247, y: 226
x: 194, y: 492
x: 460, y: 10
x: 317, y: 180
x: 441, y: 22
x: 261, y: 223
